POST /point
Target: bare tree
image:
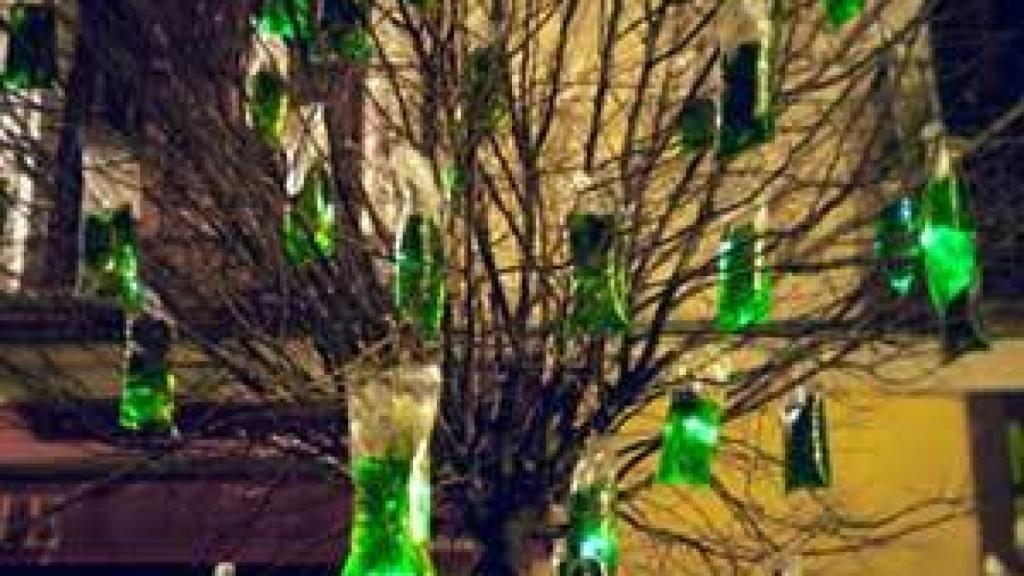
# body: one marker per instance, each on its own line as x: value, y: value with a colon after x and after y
x: 515, y: 122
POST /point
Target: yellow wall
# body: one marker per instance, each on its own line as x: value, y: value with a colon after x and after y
x: 901, y: 450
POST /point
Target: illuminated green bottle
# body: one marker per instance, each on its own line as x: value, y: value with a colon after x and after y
x: 285, y: 19
x: 126, y: 260
x: 98, y: 254
x: 420, y: 274
x: 807, y: 463
x: 592, y: 543
x: 309, y: 226
x: 268, y: 104
x: 947, y: 241
x: 839, y: 12
x: 391, y: 414
x: 32, y: 48
x: 951, y: 260
x: 695, y: 125
x: 689, y: 440
x: 598, y: 277
x: 744, y: 283
x: 111, y: 257
x: 381, y: 540
x: 897, y: 245
x: 343, y: 24
x: 147, y: 392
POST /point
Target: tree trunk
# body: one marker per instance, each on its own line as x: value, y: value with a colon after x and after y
x: 505, y: 544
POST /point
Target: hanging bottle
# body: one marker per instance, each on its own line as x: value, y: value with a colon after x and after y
x: 343, y: 27
x: 695, y: 125
x: 309, y: 223
x: 950, y: 256
x: 390, y: 418
x: 98, y: 254
x: 947, y: 236
x: 746, y: 116
x: 592, y: 544
x: 744, y: 282
x: 420, y: 268
x: 268, y: 104
x: 840, y: 12
x: 485, y: 88
x: 126, y: 260
x: 897, y: 245
x: 111, y: 257
x: 285, y: 19
x: 598, y: 282
x: 689, y: 439
x: 31, y: 48
x: 147, y: 391
x: 807, y: 463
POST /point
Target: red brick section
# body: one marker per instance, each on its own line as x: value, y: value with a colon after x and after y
x: 82, y: 502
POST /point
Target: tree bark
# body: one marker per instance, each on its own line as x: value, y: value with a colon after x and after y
x: 504, y: 542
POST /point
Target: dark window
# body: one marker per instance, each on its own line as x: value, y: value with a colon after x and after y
x: 997, y: 448
x: 977, y: 46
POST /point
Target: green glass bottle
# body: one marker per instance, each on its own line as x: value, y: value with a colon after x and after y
x: 391, y: 411
x: 420, y: 274
x: 947, y: 242
x: 268, y: 104
x: 32, y: 48
x: 147, y: 392
x: 807, y: 455
x: 897, y: 245
x: 98, y: 255
x: 285, y: 19
x: 381, y: 543
x: 695, y: 126
x: 689, y: 440
x: 309, y: 227
x: 343, y: 24
x: 840, y: 12
x: 744, y: 284
x: 486, y: 88
x: 746, y: 114
x: 948, y: 247
x: 598, y: 277
x: 593, y: 539
x: 126, y: 260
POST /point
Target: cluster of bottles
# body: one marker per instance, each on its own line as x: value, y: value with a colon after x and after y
x: 928, y: 242
x: 308, y: 228
x: 31, y: 61
x: 111, y: 270
x: 690, y: 440
x: 338, y: 30
x: 743, y: 116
